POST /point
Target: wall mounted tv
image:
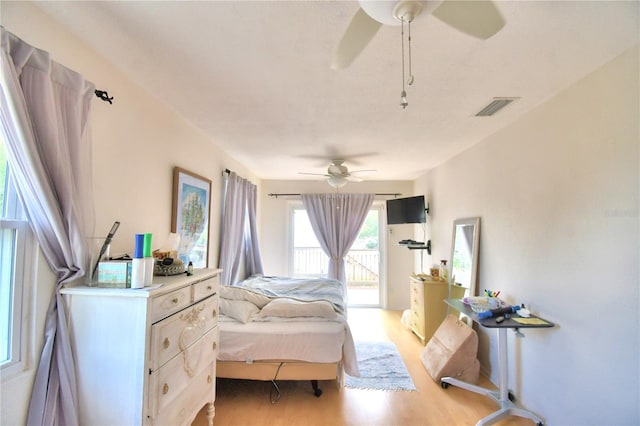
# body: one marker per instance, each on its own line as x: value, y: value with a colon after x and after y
x: 406, y: 210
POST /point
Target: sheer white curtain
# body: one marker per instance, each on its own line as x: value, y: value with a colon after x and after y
x: 336, y: 220
x: 239, y: 238
x: 45, y: 124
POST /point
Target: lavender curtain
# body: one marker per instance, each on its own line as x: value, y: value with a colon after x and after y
x: 336, y: 220
x: 239, y: 247
x: 45, y: 124
x: 252, y: 248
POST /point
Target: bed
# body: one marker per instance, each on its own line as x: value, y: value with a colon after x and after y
x: 279, y: 328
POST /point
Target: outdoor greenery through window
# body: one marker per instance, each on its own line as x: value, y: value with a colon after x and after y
x: 13, y: 228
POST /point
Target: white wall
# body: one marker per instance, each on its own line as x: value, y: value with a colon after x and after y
x: 275, y: 234
x: 136, y: 143
x: 557, y: 193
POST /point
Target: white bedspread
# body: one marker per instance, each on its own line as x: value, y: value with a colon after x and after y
x: 287, y: 332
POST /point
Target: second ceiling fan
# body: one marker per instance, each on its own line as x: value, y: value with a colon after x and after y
x: 338, y: 174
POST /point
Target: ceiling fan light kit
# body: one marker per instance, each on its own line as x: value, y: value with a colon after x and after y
x: 337, y: 181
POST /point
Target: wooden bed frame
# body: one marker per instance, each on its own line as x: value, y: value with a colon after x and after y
x: 272, y: 370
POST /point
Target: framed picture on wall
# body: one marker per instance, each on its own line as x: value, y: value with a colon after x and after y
x: 190, y: 216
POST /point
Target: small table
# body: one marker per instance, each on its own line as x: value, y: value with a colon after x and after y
x: 507, y: 408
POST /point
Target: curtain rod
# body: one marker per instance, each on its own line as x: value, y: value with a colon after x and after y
x: 394, y: 194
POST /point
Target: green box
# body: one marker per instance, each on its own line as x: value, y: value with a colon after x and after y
x: 114, y: 274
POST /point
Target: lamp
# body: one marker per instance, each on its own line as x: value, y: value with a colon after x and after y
x: 337, y: 181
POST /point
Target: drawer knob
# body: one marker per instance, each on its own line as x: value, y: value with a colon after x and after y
x: 166, y: 343
x: 209, y: 378
x: 214, y: 313
x: 214, y: 346
x: 165, y: 389
x: 209, y: 288
x: 174, y: 300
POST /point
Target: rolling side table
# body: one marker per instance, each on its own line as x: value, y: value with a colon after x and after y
x: 501, y: 396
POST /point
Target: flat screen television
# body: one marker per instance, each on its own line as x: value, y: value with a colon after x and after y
x: 406, y: 210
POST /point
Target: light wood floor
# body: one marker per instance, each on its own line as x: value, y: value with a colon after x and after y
x: 240, y: 402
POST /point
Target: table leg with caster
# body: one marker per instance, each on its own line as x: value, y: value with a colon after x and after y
x: 501, y: 396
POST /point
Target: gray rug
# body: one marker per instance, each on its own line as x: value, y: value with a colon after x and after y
x: 381, y: 368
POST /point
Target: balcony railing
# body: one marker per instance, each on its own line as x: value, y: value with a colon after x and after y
x: 361, y: 266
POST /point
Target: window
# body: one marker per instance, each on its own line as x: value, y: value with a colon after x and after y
x: 308, y: 258
x: 13, y: 248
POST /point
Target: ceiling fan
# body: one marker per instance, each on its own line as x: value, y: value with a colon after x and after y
x: 479, y: 18
x: 338, y: 174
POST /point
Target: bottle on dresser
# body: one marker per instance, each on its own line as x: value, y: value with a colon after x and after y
x: 444, y: 273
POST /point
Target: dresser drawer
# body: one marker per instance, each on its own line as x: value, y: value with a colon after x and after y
x: 417, y: 289
x: 417, y: 297
x: 186, y: 405
x: 174, y: 380
x: 179, y: 331
x: 166, y: 304
x: 205, y: 288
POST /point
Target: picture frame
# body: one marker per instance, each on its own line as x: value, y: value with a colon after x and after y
x: 190, y: 216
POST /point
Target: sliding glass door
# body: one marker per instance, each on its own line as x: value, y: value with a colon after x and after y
x: 362, y: 263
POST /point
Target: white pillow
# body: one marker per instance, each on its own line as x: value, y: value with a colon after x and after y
x: 237, y: 293
x: 289, y: 308
x: 239, y: 310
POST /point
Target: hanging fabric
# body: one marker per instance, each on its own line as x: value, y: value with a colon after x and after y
x: 239, y: 246
x: 46, y: 127
x: 336, y: 220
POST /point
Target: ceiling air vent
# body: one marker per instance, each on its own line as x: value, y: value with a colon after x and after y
x: 496, y: 105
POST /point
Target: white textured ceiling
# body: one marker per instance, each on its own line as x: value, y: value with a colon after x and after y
x: 255, y: 76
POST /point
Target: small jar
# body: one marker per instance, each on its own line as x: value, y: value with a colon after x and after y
x: 435, y: 271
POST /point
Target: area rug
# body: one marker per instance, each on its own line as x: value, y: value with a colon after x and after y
x: 381, y: 368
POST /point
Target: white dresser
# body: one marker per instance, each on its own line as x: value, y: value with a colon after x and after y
x: 146, y: 356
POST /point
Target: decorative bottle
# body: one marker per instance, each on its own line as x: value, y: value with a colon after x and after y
x: 444, y: 273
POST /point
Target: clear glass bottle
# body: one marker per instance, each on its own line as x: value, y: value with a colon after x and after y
x: 444, y: 273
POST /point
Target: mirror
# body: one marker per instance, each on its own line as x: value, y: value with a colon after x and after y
x: 464, y: 254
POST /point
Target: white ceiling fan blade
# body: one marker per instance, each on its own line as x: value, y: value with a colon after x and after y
x: 359, y: 33
x: 351, y: 178
x: 480, y: 18
x: 314, y: 174
x: 363, y: 171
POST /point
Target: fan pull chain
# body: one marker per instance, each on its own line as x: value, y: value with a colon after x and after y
x: 410, y: 80
x: 403, y: 94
